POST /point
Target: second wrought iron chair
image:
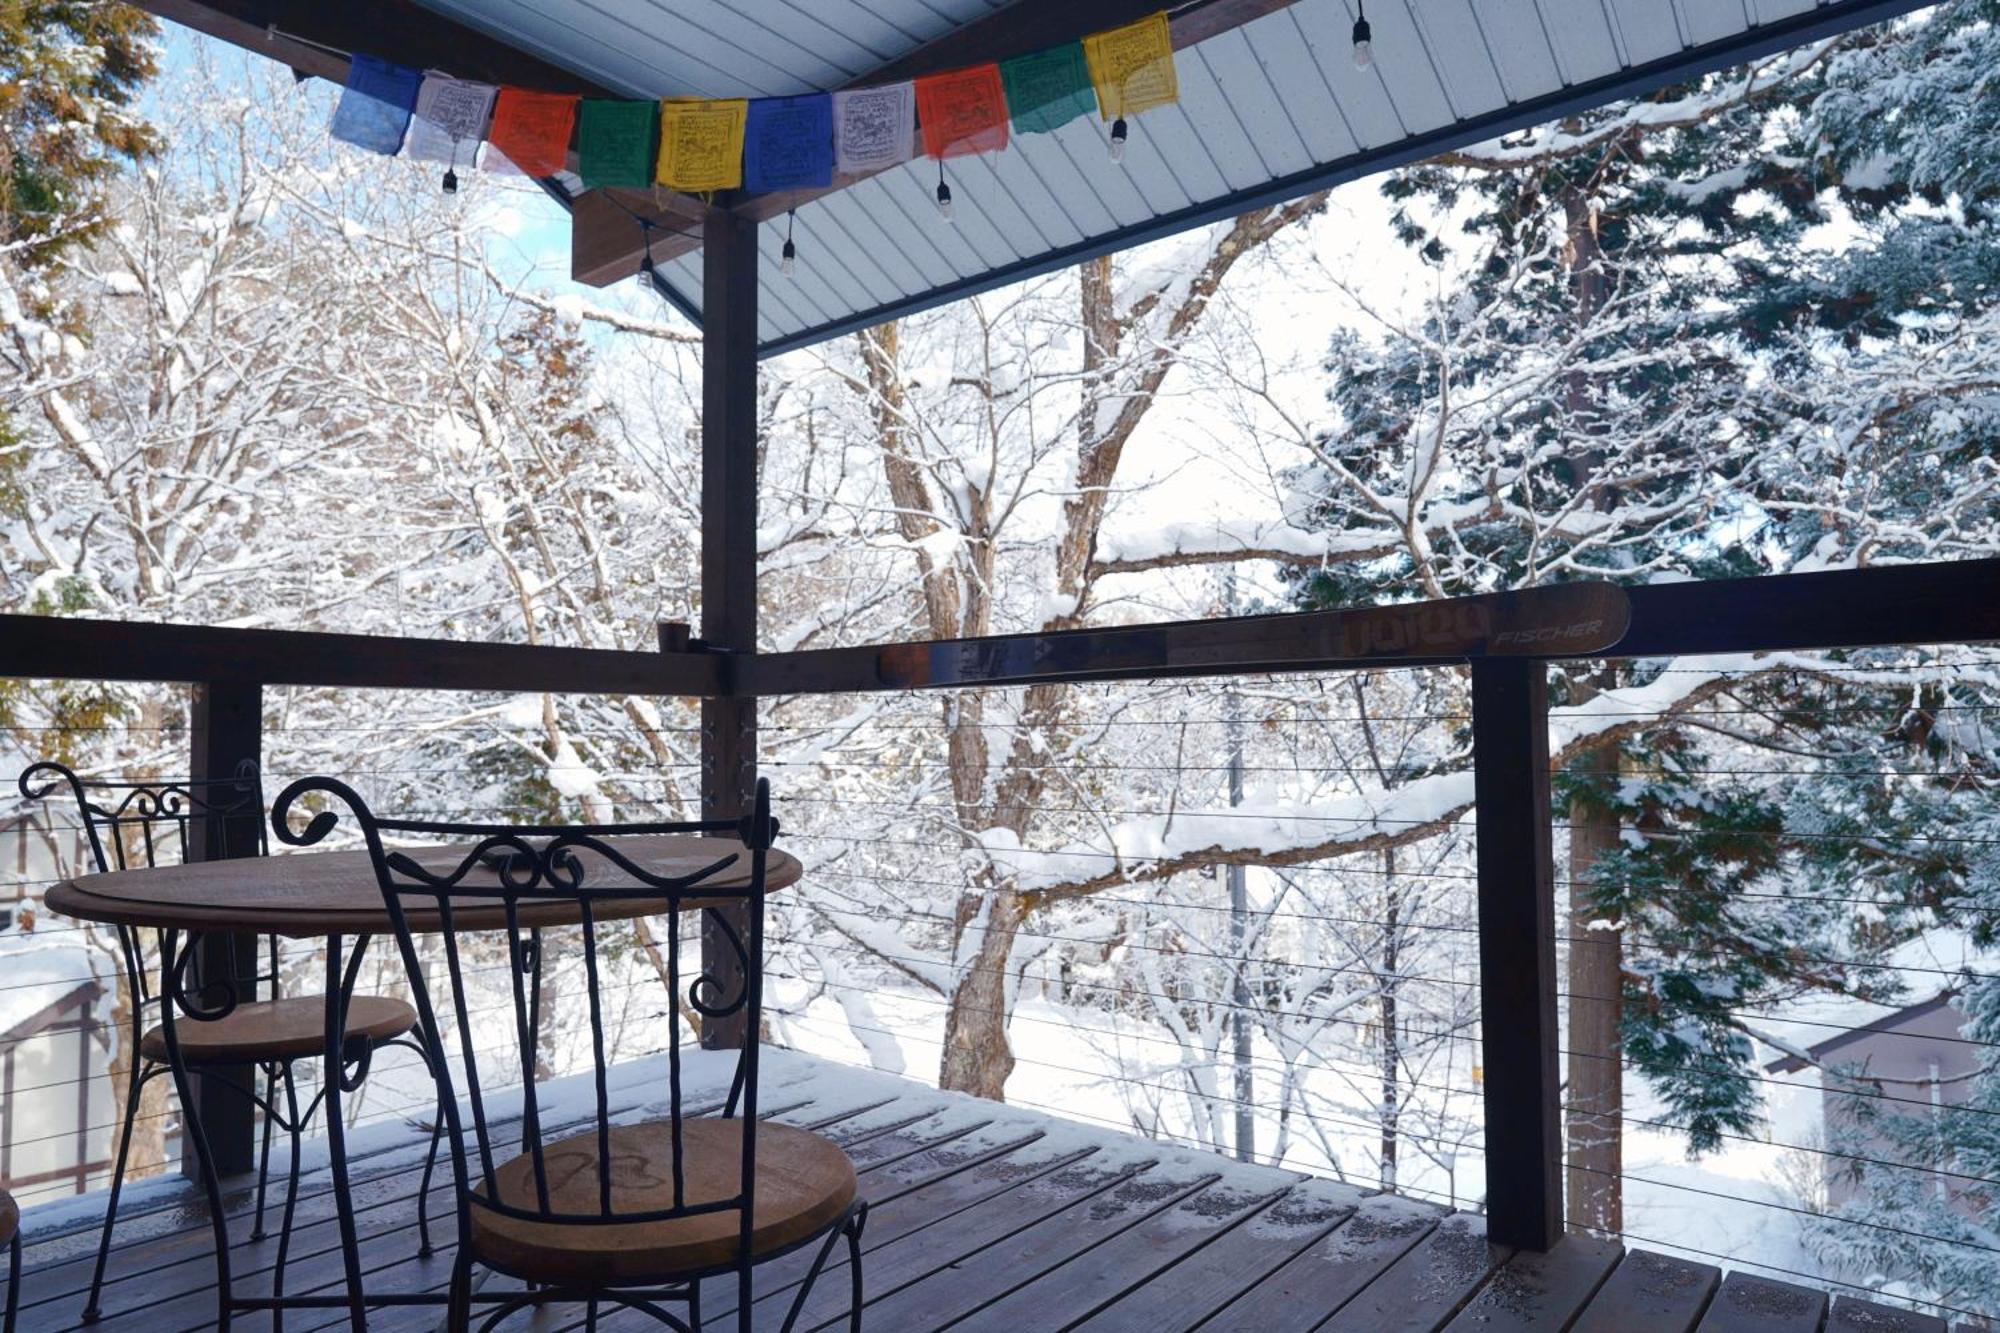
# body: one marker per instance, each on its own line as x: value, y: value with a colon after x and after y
x: 628, y: 1214
x: 133, y: 825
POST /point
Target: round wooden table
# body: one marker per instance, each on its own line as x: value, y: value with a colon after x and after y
x: 309, y: 894
x: 334, y: 895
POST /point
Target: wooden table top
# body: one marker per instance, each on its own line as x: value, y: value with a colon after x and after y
x: 327, y: 893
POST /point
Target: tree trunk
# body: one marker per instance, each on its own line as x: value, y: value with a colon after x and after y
x: 977, y: 1058
x: 1595, y: 1147
x: 1392, y: 1051
x: 1596, y: 1060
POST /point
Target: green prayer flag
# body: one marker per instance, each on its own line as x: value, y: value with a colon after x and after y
x: 614, y: 142
x: 1047, y: 89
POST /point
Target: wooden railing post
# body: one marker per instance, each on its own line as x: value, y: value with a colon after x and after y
x: 728, y: 556
x: 1517, y: 951
x: 225, y: 728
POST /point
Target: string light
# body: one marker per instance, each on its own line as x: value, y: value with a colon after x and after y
x: 1118, y: 136
x: 645, y: 275
x: 1364, y: 38
x: 450, y: 181
x: 788, y: 258
x: 945, y: 209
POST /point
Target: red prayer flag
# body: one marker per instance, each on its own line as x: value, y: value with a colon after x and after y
x: 963, y: 111
x: 532, y: 129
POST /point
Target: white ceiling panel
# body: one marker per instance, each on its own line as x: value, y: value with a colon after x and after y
x: 1269, y: 110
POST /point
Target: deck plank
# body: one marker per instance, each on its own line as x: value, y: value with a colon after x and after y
x: 1199, y: 1286
x: 1329, y: 1273
x: 1651, y: 1293
x: 1077, y: 1289
x: 994, y: 1222
x: 1425, y: 1287
x: 1746, y: 1304
x: 1852, y: 1315
x: 1541, y: 1290
x: 957, y: 1278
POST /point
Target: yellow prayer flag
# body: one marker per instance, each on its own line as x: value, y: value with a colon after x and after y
x: 1132, y: 67
x: 701, y: 143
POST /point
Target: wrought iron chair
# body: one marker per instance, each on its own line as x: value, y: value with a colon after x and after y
x: 633, y: 1215
x: 10, y: 1231
x: 140, y: 824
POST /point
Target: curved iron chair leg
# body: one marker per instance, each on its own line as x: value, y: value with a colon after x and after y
x: 590, y: 1317
x: 13, y: 1281
x: 805, y: 1287
x: 458, y: 1312
x: 134, y: 1087
x: 694, y: 1304
x: 295, y: 1132
x: 257, y: 1231
x: 424, y: 1248
x: 853, y: 1230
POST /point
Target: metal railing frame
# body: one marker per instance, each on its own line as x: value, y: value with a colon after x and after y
x: 1508, y: 641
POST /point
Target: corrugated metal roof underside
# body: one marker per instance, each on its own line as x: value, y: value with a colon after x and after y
x: 1268, y: 111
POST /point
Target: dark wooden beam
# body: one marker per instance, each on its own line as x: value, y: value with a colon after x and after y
x: 728, y: 574
x: 1517, y: 952
x: 53, y: 648
x: 313, y: 38
x: 226, y: 732
x: 297, y: 31
x: 1564, y: 620
x: 1946, y: 602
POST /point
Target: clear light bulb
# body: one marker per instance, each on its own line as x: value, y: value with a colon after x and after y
x: 788, y: 260
x: 450, y: 181
x: 946, y: 210
x: 1364, y: 44
x: 1118, y: 137
x: 645, y: 275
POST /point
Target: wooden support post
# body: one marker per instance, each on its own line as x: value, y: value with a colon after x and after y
x: 225, y: 728
x: 1517, y: 952
x: 728, y: 557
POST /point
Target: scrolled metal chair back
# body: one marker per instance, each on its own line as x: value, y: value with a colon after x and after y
x: 145, y: 823
x: 521, y: 882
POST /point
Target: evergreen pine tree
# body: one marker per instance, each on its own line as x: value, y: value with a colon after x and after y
x: 1742, y: 327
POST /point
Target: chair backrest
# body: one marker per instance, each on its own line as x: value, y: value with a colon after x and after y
x: 524, y: 882
x: 141, y: 823
x: 144, y: 823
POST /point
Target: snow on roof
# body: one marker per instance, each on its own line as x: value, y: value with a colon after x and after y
x: 34, y: 975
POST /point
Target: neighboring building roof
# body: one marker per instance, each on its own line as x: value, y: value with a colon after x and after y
x: 1792, y: 1064
x: 39, y: 981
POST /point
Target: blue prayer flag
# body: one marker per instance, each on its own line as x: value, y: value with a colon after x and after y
x: 788, y: 143
x: 375, y: 106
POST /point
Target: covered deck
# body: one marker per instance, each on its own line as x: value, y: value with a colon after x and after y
x: 986, y: 1216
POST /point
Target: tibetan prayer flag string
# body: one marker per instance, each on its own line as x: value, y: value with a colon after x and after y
x: 451, y: 117
x: 375, y: 105
x: 1048, y: 89
x: 874, y: 128
x: 531, y: 130
x: 614, y: 142
x: 1132, y: 67
x: 963, y: 111
x: 788, y: 143
x: 701, y: 143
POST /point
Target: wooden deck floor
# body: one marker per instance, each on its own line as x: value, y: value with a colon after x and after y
x: 991, y: 1218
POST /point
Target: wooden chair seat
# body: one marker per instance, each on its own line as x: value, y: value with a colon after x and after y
x: 804, y: 1184
x: 286, y: 1029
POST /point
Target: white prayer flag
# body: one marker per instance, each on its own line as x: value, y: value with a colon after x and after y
x: 451, y: 120
x: 874, y: 128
